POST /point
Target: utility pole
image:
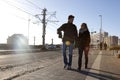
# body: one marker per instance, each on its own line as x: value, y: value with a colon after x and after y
x: 44, y: 26
x: 100, y: 28
x: 44, y: 22
x: 52, y: 41
x: 101, y: 36
x: 34, y: 41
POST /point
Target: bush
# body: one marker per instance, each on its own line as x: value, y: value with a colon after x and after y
x: 114, y: 48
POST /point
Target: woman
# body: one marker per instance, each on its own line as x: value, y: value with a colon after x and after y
x: 83, y: 44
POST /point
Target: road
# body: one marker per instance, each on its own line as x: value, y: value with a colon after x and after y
x: 20, y: 63
x: 49, y: 66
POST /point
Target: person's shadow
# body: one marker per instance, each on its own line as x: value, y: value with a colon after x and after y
x: 105, y: 75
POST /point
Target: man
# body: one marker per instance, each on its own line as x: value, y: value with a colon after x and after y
x: 69, y: 38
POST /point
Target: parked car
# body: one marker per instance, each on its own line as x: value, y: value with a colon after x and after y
x: 51, y: 46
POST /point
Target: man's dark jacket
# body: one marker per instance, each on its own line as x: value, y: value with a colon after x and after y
x: 70, y: 32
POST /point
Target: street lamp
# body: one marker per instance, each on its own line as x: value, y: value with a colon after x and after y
x: 28, y: 29
x: 100, y: 28
x: 101, y: 36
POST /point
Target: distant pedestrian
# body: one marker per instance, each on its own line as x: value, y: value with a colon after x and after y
x: 83, y: 44
x: 70, y: 35
x: 101, y: 45
x: 105, y: 46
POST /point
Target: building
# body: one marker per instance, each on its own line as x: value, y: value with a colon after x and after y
x: 113, y: 41
x: 95, y: 40
x: 118, y: 41
x: 109, y: 40
x: 17, y: 41
x: 105, y: 34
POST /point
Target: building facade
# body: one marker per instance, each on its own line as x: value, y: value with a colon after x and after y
x: 17, y: 41
x: 109, y: 40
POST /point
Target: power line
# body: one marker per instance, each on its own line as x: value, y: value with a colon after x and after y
x: 34, y: 4
x: 9, y: 3
x: 52, y: 26
x: 44, y: 20
x: 20, y: 17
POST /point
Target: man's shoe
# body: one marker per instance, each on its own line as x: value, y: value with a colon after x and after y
x: 79, y: 69
x: 69, y: 67
x: 65, y: 66
x: 86, y: 67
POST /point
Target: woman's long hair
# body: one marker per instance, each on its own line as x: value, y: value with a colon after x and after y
x: 85, y: 26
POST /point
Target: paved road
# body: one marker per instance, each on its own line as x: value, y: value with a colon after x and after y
x: 49, y: 66
x: 12, y: 65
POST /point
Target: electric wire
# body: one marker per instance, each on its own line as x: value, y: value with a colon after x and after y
x: 34, y: 4
x: 9, y: 3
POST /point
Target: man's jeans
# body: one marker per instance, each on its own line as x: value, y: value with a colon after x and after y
x: 70, y: 52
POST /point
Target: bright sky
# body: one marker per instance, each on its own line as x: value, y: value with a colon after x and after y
x: 14, y: 16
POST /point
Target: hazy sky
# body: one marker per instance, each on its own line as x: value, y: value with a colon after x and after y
x: 15, y: 14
